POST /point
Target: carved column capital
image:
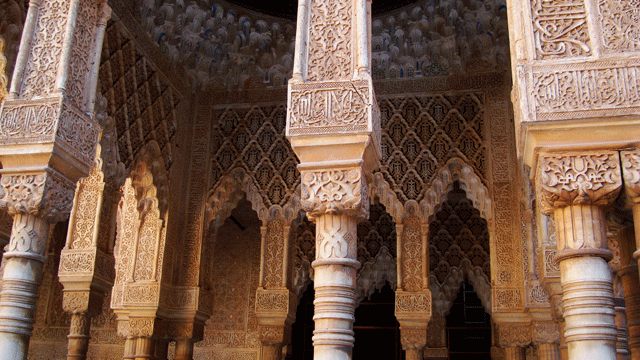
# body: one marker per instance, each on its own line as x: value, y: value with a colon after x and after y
x: 545, y: 333
x: 413, y: 338
x: 514, y: 335
x: 335, y: 191
x: 45, y: 194
x: 82, y: 302
x: 631, y: 171
x: 578, y: 179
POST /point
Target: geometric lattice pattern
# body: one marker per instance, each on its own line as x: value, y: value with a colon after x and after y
x: 458, y: 234
x: 140, y: 101
x: 376, y: 232
x: 419, y: 134
x: 254, y: 139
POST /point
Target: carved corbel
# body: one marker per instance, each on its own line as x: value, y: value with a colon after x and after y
x: 576, y: 188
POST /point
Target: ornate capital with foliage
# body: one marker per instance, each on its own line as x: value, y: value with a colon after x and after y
x: 631, y: 172
x: 516, y: 335
x: 545, y: 332
x: 46, y: 194
x: 413, y: 339
x: 578, y: 179
x: 335, y: 192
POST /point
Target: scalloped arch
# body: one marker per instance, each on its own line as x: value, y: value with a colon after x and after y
x: 224, y: 197
x: 456, y: 169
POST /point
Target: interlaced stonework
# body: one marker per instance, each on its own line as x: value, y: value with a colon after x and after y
x: 140, y: 100
x: 253, y: 139
x: 421, y: 133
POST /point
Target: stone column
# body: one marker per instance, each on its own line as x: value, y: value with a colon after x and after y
x: 630, y: 282
x: 413, y: 298
x: 622, y: 349
x: 333, y: 124
x: 20, y: 282
x: 514, y: 353
x: 631, y: 288
x: 275, y: 303
x: 575, y: 188
x: 548, y: 352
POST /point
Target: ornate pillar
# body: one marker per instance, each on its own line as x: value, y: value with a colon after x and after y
x: 622, y: 349
x: 275, y: 304
x: 48, y: 139
x: 413, y: 298
x: 333, y: 124
x: 631, y: 288
x: 575, y: 188
x: 139, y: 258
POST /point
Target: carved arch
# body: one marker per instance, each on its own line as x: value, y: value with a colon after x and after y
x: 456, y: 169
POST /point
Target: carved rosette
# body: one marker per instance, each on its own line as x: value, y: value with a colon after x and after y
x: 578, y: 179
x: 335, y: 191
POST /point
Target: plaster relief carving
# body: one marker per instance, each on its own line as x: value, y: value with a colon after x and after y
x: 619, y: 20
x: 591, y: 179
x: 560, y: 29
x: 631, y: 172
x: 329, y: 107
x: 335, y: 191
x: 330, y: 48
x: 585, y: 90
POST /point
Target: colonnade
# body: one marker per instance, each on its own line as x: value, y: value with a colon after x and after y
x: 49, y: 140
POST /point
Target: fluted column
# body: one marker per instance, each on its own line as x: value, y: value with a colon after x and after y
x: 514, y: 353
x: 575, y: 188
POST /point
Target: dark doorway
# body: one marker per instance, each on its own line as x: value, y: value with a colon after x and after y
x: 468, y: 327
x: 302, y: 329
x: 376, y: 329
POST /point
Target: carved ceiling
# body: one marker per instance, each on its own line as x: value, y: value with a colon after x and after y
x: 225, y: 46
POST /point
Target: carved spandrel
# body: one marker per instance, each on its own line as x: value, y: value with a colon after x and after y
x: 578, y: 179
